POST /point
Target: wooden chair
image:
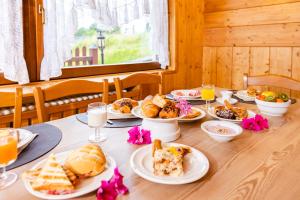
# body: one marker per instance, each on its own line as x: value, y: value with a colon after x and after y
x: 64, y: 90
x: 271, y: 80
x: 131, y: 86
x: 12, y: 99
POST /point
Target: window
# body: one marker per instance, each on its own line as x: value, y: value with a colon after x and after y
x: 109, y: 36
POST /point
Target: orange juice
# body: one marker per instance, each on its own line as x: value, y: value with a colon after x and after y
x: 208, y: 94
x: 8, y: 149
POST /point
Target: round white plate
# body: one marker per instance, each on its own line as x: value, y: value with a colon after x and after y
x: 231, y: 101
x: 117, y: 113
x: 186, y: 94
x: 137, y: 111
x: 86, y: 186
x: 195, y: 166
x: 25, y: 136
x: 212, y: 114
x: 242, y: 94
x: 202, y: 115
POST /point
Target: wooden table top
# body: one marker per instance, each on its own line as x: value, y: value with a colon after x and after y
x: 264, y: 165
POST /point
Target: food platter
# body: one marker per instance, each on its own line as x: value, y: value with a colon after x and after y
x: 195, y: 166
x: 86, y: 186
x: 186, y: 94
x: 211, y: 112
x: 201, y: 116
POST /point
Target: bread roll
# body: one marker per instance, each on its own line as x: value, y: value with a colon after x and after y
x: 86, y: 161
x: 160, y: 101
x: 149, y: 109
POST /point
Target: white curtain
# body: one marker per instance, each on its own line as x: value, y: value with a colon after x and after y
x: 59, y: 33
x: 160, y: 31
x: 12, y: 62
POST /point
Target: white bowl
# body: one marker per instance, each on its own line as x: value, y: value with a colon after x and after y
x: 218, y: 137
x: 273, y: 108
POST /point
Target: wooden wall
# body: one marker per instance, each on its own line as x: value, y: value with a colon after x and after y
x: 186, y: 31
x: 254, y: 36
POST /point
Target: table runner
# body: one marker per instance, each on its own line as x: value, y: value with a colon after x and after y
x: 48, y: 137
x: 117, y: 123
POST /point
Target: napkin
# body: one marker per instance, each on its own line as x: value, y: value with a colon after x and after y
x: 32, y: 137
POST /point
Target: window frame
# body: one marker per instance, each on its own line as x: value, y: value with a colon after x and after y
x: 33, y: 15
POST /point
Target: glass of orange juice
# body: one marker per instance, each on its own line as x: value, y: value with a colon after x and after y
x: 8, y: 155
x: 208, y: 93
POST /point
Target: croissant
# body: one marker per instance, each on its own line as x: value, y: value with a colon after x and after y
x: 149, y: 109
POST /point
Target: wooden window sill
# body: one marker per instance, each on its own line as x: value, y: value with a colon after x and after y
x: 27, y: 89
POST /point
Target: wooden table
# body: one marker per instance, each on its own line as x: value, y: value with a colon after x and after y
x: 263, y: 165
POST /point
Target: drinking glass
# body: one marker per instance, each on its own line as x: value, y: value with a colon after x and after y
x: 208, y: 94
x: 97, y: 118
x: 8, y: 155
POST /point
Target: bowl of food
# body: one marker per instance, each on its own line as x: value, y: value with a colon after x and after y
x: 221, y: 131
x: 272, y: 104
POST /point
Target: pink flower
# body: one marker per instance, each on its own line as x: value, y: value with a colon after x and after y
x: 109, y: 190
x: 137, y: 136
x: 184, y: 107
x: 257, y: 123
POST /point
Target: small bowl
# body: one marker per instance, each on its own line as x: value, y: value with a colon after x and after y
x: 272, y: 108
x: 218, y: 137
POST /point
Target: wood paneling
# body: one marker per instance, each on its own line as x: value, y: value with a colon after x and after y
x: 259, y: 35
x: 210, y: 65
x: 264, y: 36
x: 275, y: 14
x: 296, y: 68
x: 221, y: 5
x: 240, y: 66
x: 224, y: 64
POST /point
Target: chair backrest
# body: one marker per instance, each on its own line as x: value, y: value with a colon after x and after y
x: 271, y: 80
x: 131, y: 86
x: 64, y: 91
x: 12, y: 99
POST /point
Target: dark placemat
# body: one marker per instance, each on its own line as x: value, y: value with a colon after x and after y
x: 192, y: 102
x: 117, y: 123
x: 48, y: 137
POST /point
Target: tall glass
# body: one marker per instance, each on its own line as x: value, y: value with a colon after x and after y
x: 97, y: 118
x: 8, y: 155
x: 208, y: 94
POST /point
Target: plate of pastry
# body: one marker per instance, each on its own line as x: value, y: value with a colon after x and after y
x: 195, y: 115
x: 227, y: 112
x: 247, y: 95
x: 157, y: 108
x: 122, y: 107
x: 169, y: 163
x: 69, y: 174
x: 186, y: 94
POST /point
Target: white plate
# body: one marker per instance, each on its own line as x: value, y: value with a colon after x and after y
x: 195, y: 166
x: 212, y: 114
x: 242, y: 94
x: 137, y: 111
x: 86, y: 186
x: 202, y: 115
x: 25, y: 136
x: 186, y: 94
x: 117, y: 113
x: 231, y: 101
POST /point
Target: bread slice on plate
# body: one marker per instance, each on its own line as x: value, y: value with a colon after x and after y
x: 52, y: 178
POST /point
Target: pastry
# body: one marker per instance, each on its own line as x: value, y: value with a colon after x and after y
x: 160, y: 101
x: 124, y: 105
x: 168, y: 161
x: 86, y: 161
x: 149, y: 109
x: 230, y: 112
x: 169, y: 111
x: 252, y: 92
x: 193, y: 114
x: 52, y: 178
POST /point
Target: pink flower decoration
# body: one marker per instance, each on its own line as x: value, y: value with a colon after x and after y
x: 109, y: 190
x: 257, y: 123
x: 137, y: 136
x: 184, y: 107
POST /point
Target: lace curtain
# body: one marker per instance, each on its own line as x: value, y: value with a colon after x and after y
x: 62, y: 19
x: 12, y: 62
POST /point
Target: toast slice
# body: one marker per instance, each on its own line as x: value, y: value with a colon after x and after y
x: 52, y: 178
